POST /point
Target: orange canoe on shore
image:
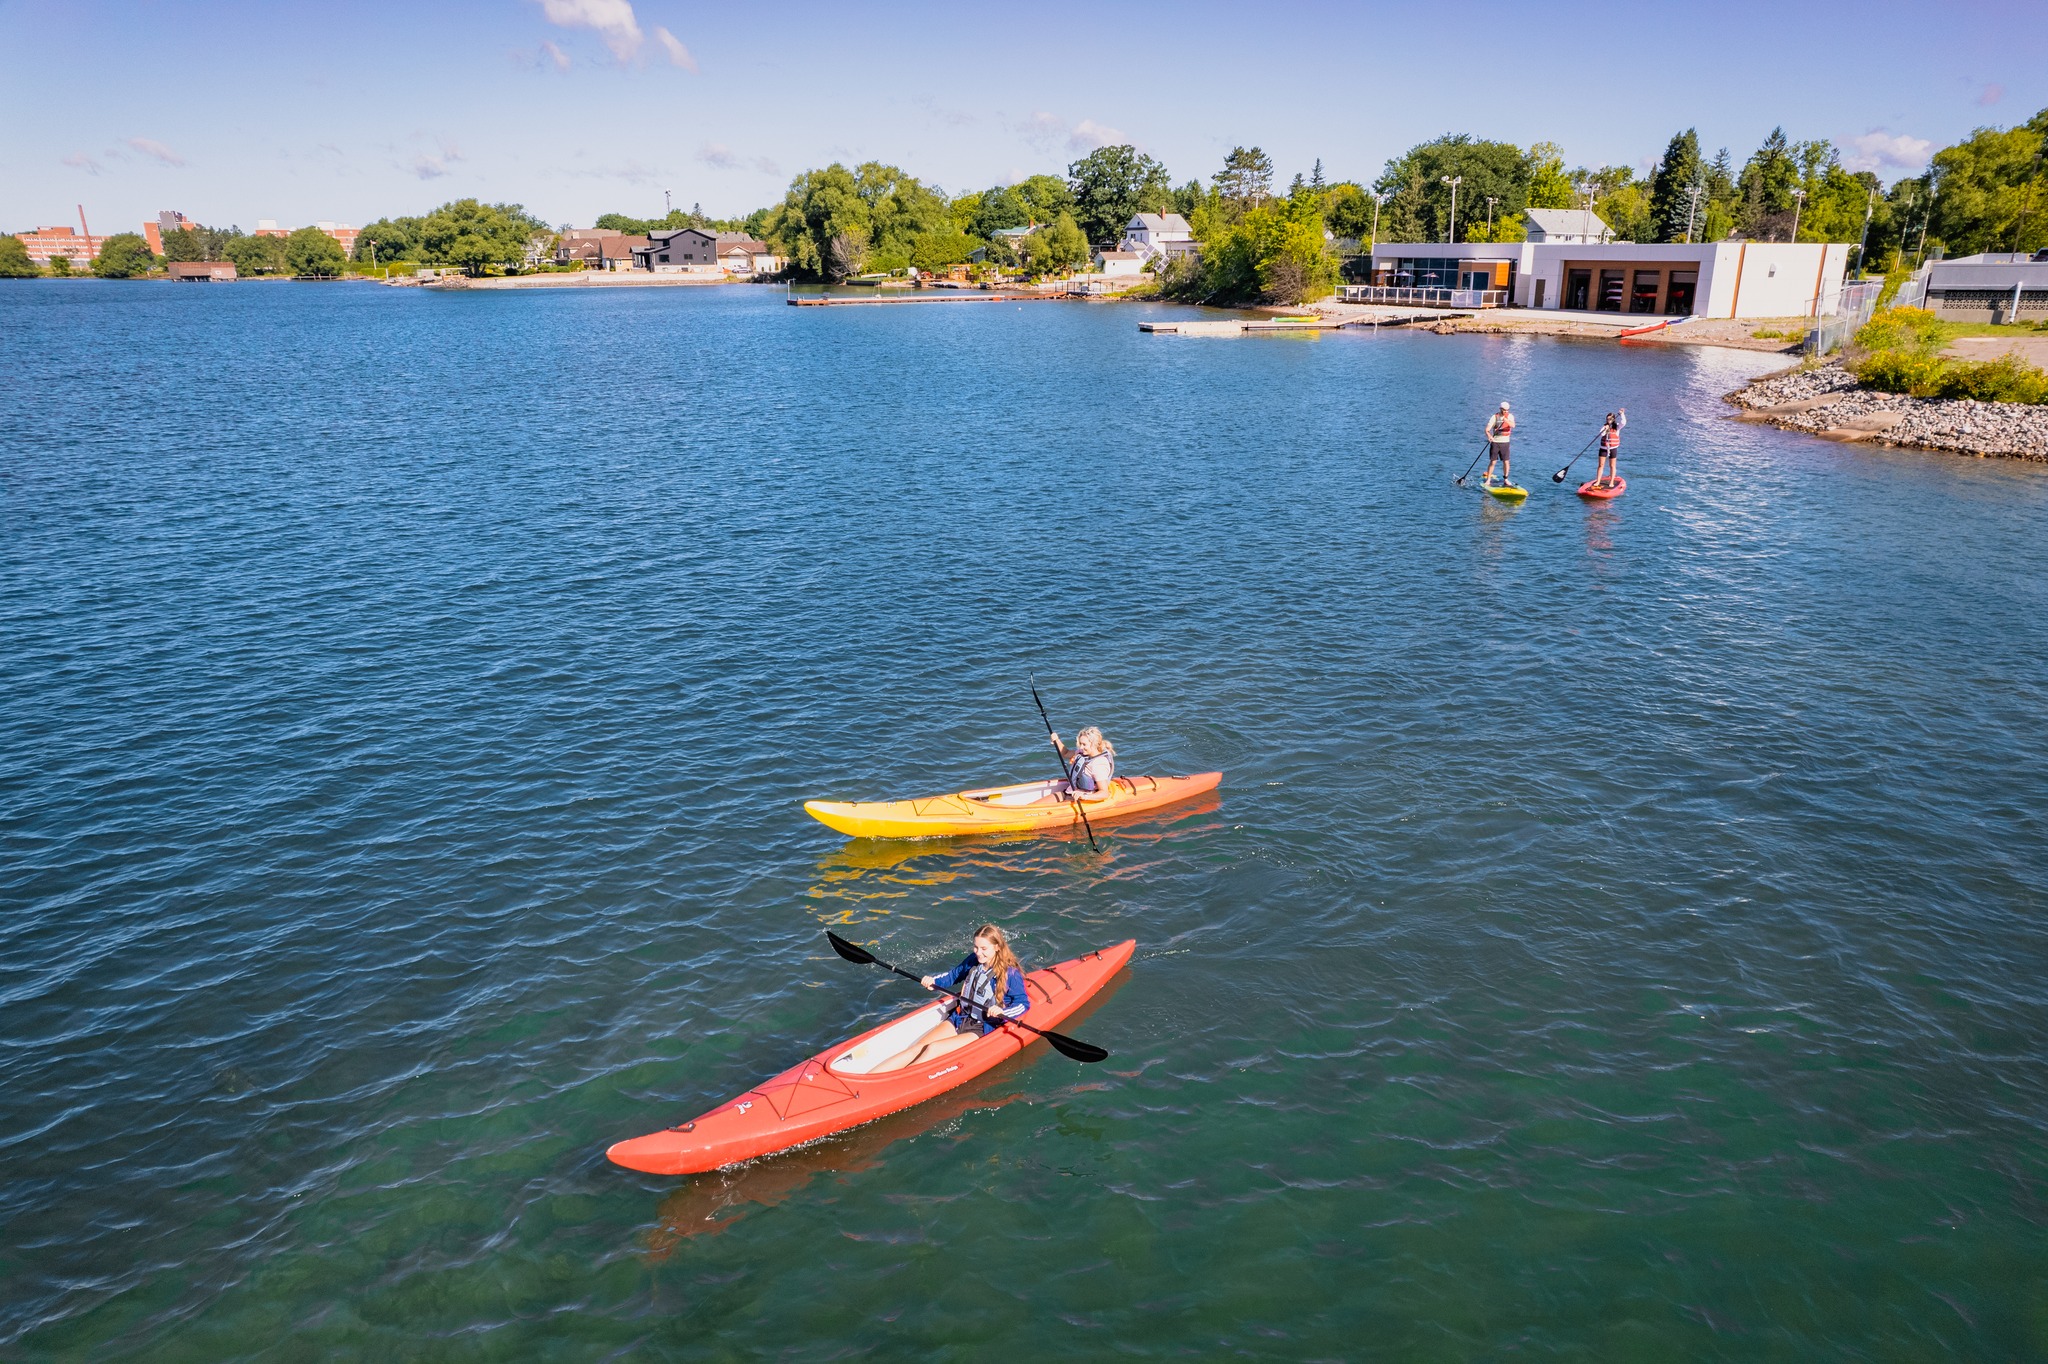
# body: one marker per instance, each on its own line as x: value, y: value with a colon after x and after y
x: 838, y: 1089
x: 1003, y: 809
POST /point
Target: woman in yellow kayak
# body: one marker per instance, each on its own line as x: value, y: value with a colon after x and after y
x: 1090, y: 764
x: 990, y: 983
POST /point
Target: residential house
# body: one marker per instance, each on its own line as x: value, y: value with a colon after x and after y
x: 1151, y: 233
x: 744, y: 256
x: 680, y: 251
x: 1120, y: 264
x: 598, y: 248
x: 1575, y: 225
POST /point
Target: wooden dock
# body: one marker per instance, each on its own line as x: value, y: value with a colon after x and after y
x: 1266, y: 326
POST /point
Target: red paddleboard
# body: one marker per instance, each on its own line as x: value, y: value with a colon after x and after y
x: 1592, y: 488
x: 835, y: 1089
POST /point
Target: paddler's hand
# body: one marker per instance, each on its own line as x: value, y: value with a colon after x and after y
x: 1054, y: 739
x: 926, y: 981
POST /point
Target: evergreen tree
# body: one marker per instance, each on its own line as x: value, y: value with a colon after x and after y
x: 1315, y: 179
x: 1246, y: 179
x: 1764, y: 206
x: 1671, y: 189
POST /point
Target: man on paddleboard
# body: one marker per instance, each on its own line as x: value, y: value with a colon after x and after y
x: 1499, y: 427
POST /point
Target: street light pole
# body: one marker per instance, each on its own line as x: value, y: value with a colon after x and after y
x: 1692, y: 208
x: 1798, y: 202
x: 1453, y: 181
x: 1490, y: 202
x: 1863, y: 246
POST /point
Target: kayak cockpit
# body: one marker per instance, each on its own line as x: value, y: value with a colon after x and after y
x: 1029, y: 793
x: 871, y: 1051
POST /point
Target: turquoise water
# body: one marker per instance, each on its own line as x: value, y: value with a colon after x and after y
x: 1619, y: 935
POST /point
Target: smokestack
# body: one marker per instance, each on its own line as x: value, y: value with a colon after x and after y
x: 84, y: 231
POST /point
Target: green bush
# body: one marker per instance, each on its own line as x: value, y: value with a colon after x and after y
x: 2007, y: 379
x: 1910, y: 329
x: 1899, y: 371
x: 14, y: 261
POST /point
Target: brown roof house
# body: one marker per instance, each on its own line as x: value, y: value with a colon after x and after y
x: 598, y: 248
x: 744, y: 257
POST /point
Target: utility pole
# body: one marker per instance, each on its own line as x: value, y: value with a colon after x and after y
x: 1925, y: 214
x: 1376, y: 200
x: 1798, y: 202
x: 1692, y: 207
x: 1453, y: 181
x: 1490, y: 202
x: 1863, y: 246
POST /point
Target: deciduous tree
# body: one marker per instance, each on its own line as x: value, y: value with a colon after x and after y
x: 1110, y: 184
x: 14, y: 261
x: 312, y: 253
x: 124, y: 256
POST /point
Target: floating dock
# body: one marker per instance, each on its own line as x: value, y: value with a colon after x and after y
x: 1269, y: 325
x: 820, y: 301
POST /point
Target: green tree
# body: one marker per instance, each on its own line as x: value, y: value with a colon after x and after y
x: 257, y: 255
x: 1111, y: 184
x: 124, y: 256
x: 1044, y: 197
x: 312, y: 253
x: 1549, y: 185
x: 1274, y: 252
x: 1763, y: 192
x: 1989, y: 191
x: 14, y: 261
x: 995, y: 209
x: 504, y: 229
x: 1348, y: 210
x: 1054, y: 249
x: 183, y: 244
x: 60, y: 266
x: 1246, y: 180
x: 390, y: 239
x: 1420, y: 202
x: 935, y: 250
x: 1673, y: 203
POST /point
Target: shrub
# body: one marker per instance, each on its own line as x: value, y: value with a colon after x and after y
x: 1913, y: 329
x: 1899, y: 371
x: 123, y: 256
x: 2007, y: 379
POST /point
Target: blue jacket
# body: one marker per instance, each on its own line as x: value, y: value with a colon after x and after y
x: 1015, y: 1000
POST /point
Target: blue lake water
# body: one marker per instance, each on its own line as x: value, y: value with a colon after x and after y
x: 1620, y: 934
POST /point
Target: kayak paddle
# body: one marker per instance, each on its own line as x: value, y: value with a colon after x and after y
x: 1071, y: 1047
x: 1064, y: 774
x: 1558, y: 477
x: 1460, y: 479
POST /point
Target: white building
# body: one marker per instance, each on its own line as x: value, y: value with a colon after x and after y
x: 1120, y: 264
x: 1993, y: 286
x: 1651, y: 279
x: 1149, y: 234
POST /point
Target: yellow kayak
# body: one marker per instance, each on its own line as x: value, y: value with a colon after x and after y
x: 1003, y: 809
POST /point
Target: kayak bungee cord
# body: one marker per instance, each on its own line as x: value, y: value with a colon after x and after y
x: 1072, y: 1047
x: 1065, y: 775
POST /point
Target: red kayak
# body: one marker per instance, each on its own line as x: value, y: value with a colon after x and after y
x: 835, y: 1089
x: 1603, y: 491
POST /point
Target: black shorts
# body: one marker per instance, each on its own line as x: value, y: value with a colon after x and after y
x: 1497, y: 449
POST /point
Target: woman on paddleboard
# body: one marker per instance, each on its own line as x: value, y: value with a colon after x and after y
x: 1090, y: 764
x: 1610, y: 449
x: 990, y: 983
x: 1499, y: 427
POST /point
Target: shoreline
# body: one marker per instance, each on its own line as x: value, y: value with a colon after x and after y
x: 1833, y: 404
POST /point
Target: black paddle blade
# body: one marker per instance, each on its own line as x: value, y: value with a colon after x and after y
x: 1557, y: 477
x: 853, y: 952
x: 1073, y: 1048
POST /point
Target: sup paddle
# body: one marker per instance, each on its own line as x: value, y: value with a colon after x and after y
x: 1460, y: 479
x: 1071, y: 1047
x: 1558, y: 477
x: 1064, y: 774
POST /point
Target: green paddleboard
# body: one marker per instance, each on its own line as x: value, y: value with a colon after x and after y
x: 1509, y: 492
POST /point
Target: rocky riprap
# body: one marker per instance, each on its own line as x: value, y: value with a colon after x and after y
x: 1829, y: 401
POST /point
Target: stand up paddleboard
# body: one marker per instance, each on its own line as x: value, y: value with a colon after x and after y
x: 1509, y: 492
x: 1591, y: 488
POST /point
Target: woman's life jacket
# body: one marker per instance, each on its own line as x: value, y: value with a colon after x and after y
x: 1610, y: 437
x: 1091, y: 774
x: 976, y: 984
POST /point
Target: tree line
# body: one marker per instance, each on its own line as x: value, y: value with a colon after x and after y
x: 1257, y: 242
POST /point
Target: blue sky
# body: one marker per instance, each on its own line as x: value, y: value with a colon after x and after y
x: 232, y: 111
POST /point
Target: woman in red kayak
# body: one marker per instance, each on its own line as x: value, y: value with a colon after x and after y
x: 1090, y: 764
x: 1610, y: 449
x: 990, y: 984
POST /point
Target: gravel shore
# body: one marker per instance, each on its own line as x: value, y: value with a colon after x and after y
x: 1828, y: 401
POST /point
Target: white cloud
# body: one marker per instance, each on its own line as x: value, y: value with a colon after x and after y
x: 80, y: 161
x: 1877, y: 149
x: 152, y: 148
x: 552, y: 53
x: 678, y: 55
x: 1089, y: 135
x: 612, y: 20
x: 721, y: 157
x: 432, y: 167
x: 1049, y: 133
